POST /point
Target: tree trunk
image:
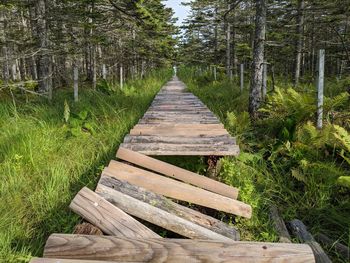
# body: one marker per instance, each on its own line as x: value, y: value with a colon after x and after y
x: 228, y: 47
x: 258, y: 58
x: 299, y: 42
x: 43, y: 60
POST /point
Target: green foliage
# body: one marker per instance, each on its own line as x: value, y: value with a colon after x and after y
x: 285, y: 160
x: 42, y: 168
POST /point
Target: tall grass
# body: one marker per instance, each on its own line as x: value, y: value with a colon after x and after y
x: 285, y: 160
x: 45, y: 160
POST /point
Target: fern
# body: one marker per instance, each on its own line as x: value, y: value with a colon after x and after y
x: 342, y: 136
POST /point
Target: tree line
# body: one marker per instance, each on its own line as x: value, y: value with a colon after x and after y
x: 283, y: 36
x: 43, y: 42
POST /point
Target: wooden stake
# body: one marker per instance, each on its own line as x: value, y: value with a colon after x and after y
x: 320, y: 87
x: 242, y: 77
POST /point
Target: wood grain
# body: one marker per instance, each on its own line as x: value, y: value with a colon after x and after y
x: 110, y: 219
x: 157, y: 216
x: 177, y: 173
x: 172, y: 250
x: 175, y: 189
x: 167, y: 205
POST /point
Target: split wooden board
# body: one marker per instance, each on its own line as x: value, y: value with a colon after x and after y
x: 178, y: 123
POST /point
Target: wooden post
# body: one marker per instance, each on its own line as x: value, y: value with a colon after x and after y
x: 264, y: 84
x: 280, y: 227
x: 242, y: 77
x: 76, y: 84
x: 320, y: 87
x: 104, y: 71
x: 121, y: 76
x: 215, y: 73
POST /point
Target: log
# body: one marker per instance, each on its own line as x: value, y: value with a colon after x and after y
x: 157, y: 216
x: 110, y: 219
x: 172, y: 250
x: 167, y: 205
x: 175, y: 189
x: 280, y: 226
x: 87, y: 229
x: 341, y: 249
x: 177, y: 173
x: 299, y: 230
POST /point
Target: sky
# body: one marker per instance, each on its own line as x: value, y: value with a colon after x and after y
x: 181, y: 11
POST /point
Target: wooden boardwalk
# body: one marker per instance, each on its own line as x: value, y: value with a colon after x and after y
x: 138, y: 186
x: 178, y: 123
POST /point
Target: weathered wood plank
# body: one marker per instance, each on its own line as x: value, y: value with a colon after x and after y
x: 179, y: 132
x: 110, y: 219
x: 280, y: 226
x: 167, y: 205
x: 179, y: 126
x: 219, y: 140
x: 157, y: 216
x: 177, y: 173
x: 175, y: 189
x: 182, y: 149
x: 55, y: 260
x: 173, y: 250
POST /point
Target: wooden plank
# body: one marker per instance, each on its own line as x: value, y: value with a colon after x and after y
x: 179, y: 126
x: 110, y: 219
x: 55, y: 260
x: 172, y: 250
x: 175, y: 189
x: 177, y: 173
x: 182, y: 149
x: 280, y: 226
x: 225, y: 139
x: 157, y: 216
x: 179, y: 132
x: 167, y: 205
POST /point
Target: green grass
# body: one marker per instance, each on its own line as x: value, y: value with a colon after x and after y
x: 285, y: 161
x: 45, y: 160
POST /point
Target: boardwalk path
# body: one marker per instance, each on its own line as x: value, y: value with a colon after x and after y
x: 178, y: 123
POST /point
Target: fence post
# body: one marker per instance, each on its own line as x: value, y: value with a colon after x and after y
x: 242, y: 77
x: 320, y: 87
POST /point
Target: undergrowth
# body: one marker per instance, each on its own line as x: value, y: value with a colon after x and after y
x: 285, y: 161
x: 48, y: 152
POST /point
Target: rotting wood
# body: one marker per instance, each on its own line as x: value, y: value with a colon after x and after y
x: 167, y: 205
x: 110, y: 219
x: 157, y: 216
x: 172, y: 250
x: 177, y: 173
x: 299, y: 230
x: 177, y: 190
x: 280, y: 226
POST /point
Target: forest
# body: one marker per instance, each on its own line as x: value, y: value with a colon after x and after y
x: 77, y: 75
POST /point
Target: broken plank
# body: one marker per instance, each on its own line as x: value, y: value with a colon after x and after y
x: 167, y: 205
x: 172, y: 250
x: 175, y: 189
x: 110, y: 219
x: 157, y: 216
x: 177, y: 173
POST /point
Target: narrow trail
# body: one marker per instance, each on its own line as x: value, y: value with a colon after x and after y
x: 178, y: 123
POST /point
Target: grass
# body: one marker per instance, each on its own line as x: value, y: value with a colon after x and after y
x: 285, y: 160
x: 48, y: 152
